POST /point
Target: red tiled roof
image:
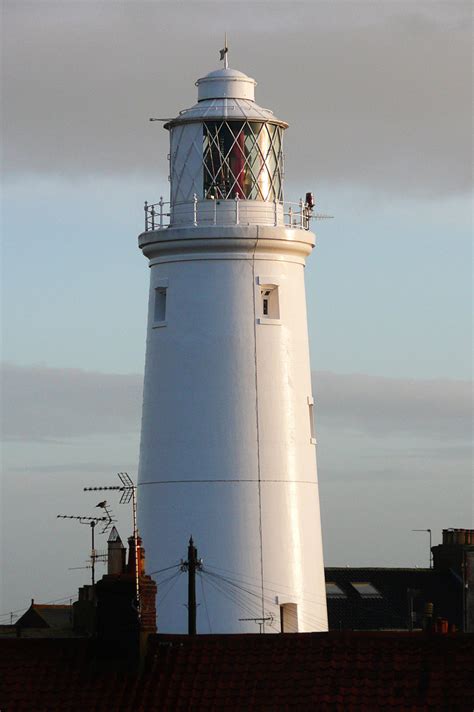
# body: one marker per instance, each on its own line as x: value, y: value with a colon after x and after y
x: 323, y: 671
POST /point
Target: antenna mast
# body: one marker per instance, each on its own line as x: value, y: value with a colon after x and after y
x: 92, y: 522
x: 129, y: 493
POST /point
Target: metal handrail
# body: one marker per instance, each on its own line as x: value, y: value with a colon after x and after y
x: 296, y: 215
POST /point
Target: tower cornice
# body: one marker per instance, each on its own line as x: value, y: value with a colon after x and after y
x: 232, y: 242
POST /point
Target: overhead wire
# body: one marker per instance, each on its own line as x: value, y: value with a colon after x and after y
x: 175, y: 576
x: 244, y: 606
x: 233, y: 595
x: 277, y: 591
x: 257, y: 421
x: 167, y: 568
x: 46, y: 603
x: 311, y: 618
x: 239, y: 594
x: 205, y: 601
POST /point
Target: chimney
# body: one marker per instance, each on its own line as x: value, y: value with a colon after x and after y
x: 442, y: 626
x: 451, y: 554
x: 122, y: 628
x: 84, y: 611
x: 116, y: 553
x: 131, y: 556
x: 455, y: 556
x: 427, y: 623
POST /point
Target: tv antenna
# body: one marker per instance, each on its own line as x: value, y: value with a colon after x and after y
x: 428, y: 531
x: 129, y: 494
x: 260, y: 622
x: 92, y: 522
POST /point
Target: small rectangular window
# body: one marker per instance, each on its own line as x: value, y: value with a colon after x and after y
x: 312, y: 430
x: 159, y: 315
x: 267, y: 300
x: 270, y: 301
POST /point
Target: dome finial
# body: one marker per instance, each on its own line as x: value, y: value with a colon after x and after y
x: 224, y: 53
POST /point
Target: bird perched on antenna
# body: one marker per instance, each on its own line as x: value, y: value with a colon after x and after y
x: 103, y: 505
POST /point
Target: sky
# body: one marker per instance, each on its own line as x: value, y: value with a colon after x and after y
x: 378, y: 98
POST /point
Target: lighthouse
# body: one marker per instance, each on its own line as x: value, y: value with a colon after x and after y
x: 228, y: 446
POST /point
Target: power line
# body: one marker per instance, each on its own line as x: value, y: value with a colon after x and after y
x: 232, y: 598
x: 167, y: 568
x: 175, y: 577
x: 240, y: 595
x: 205, y: 601
x: 316, y: 600
x: 46, y: 603
x: 313, y: 619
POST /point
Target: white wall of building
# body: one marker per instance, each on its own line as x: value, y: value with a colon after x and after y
x: 226, y: 419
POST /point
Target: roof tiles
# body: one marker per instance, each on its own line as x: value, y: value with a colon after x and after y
x: 333, y: 671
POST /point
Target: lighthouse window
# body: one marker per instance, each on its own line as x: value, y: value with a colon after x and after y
x: 269, y: 301
x: 159, y: 313
x: 242, y: 159
x: 312, y: 429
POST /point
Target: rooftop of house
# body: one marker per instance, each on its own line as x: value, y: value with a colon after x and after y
x: 45, y: 615
x: 383, y: 598
x: 327, y: 671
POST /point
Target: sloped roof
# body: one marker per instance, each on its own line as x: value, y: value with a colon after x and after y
x: 43, y: 615
x: 390, y: 610
x: 324, y: 671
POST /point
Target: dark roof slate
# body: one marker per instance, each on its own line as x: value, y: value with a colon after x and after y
x: 391, y: 610
x: 44, y: 615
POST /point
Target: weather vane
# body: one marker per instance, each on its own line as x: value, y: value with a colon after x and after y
x: 224, y: 53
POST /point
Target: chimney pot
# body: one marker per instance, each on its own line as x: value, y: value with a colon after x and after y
x: 116, y: 553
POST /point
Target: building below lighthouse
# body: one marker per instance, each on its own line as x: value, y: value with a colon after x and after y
x: 227, y: 450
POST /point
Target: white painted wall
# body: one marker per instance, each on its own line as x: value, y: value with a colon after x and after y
x: 226, y: 450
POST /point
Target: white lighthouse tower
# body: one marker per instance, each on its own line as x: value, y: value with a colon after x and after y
x: 228, y: 445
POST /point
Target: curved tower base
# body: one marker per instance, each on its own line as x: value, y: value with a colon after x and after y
x: 228, y: 446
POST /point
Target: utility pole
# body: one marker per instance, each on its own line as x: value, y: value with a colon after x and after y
x: 192, y: 565
x: 93, y: 552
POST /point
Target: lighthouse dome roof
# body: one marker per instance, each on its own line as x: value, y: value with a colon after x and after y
x: 226, y: 72
x: 226, y: 83
x: 226, y: 94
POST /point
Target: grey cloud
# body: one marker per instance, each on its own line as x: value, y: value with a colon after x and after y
x: 440, y: 409
x: 41, y: 403
x: 71, y: 468
x: 377, y: 95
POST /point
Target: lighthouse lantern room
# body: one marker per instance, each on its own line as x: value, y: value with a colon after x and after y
x: 227, y: 450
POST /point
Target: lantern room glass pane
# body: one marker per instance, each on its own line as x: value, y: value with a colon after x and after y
x: 242, y: 159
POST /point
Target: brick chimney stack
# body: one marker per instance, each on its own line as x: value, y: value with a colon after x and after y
x: 131, y: 556
x: 456, y: 555
x: 121, y: 627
